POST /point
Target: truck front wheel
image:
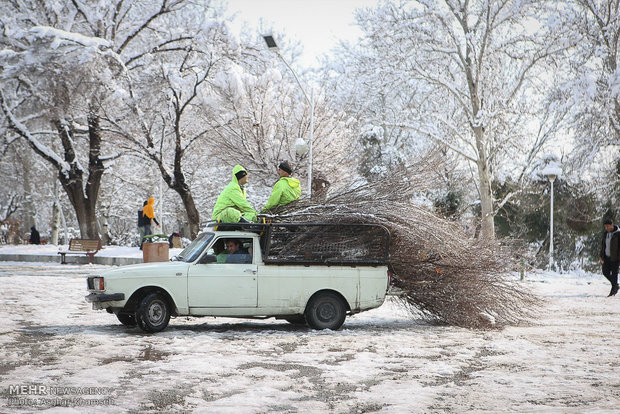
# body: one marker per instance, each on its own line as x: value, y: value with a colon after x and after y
x: 153, y: 313
x: 325, y: 311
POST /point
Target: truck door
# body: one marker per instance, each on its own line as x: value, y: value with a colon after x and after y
x: 226, y: 278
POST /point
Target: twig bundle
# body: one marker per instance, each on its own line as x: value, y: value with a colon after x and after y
x: 442, y: 273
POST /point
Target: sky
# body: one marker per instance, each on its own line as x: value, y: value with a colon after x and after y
x: 317, y: 24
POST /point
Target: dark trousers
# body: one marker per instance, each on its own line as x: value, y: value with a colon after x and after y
x: 610, y: 271
x: 146, y: 230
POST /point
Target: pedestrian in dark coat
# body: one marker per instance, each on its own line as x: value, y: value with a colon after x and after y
x: 610, y: 254
x: 142, y: 221
x: 35, y: 237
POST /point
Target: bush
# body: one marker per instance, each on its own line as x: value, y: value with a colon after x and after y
x: 576, y: 222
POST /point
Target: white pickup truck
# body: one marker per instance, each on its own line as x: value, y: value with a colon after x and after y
x: 303, y: 273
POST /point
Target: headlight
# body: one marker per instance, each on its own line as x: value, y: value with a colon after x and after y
x: 95, y: 283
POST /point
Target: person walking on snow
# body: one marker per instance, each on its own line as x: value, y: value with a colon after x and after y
x: 610, y: 254
x: 231, y: 205
x: 35, y: 237
x: 286, y: 190
x: 149, y: 214
x: 142, y: 221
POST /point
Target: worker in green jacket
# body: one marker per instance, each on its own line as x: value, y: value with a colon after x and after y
x: 231, y: 205
x: 286, y: 190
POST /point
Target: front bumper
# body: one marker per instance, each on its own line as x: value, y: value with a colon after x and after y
x: 102, y: 297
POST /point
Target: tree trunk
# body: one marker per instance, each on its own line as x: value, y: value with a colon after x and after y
x: 55, y: 216
x: 487, y: 217
x: 482, y: 160
x: 180, y: 186
x: 106, y: 238
x: 193, y: 217
x: 486, y: 202
x: 29, y: 207
x: 83, y: 198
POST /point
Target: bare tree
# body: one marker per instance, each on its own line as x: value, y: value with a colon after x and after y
x: 589, y: 90
x: 81, y: 186
x: 14, y: 202
x: 261, y: 117
x: 62, y: 65
x: 167, y: 134
x: 459, y: 71
x: 165, y: 124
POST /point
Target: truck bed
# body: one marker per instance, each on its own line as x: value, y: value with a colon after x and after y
x: 327, y: 244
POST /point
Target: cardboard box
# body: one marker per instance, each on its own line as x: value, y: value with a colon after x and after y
x: 155, y: 252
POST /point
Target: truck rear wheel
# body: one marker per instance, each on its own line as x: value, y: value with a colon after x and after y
x: 325, y: 311
x: 153, y: 313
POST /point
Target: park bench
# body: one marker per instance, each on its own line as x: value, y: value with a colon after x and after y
x: 89, y: 247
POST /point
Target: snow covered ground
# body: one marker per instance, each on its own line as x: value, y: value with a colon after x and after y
x: 565, y: 360
x: 52, y: 250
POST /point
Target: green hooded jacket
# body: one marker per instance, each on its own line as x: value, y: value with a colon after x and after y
x: 231, y: 203
x: 285, y: 191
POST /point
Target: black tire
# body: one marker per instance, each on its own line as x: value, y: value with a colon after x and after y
x: 326, y: 311
x: 153, y: 313
x: 127, y: 319
x: 296, y: 320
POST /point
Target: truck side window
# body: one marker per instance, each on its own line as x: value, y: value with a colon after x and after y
x: 238, y: 250
x: 219, y: 251
x: 232, y: 250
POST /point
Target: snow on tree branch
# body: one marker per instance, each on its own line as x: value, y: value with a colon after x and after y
x: 40, y: 148
x: 62, y: 36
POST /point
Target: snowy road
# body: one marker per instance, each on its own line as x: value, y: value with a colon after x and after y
x: 58, y: 355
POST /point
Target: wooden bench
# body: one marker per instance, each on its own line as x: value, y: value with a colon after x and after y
x: 89, y: 247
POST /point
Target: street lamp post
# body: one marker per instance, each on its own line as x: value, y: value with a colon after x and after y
x: 552, y: 178
x: 552, y: 171
x: 272, y: 45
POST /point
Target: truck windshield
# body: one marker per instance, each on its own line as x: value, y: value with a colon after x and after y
x: 191, y: 252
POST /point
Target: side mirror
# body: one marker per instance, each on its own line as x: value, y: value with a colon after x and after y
x: 208, y: 258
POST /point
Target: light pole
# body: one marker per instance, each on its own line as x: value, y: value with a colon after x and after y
x: 551, y: 180
x: 552, y: 171
x: 272, y: 45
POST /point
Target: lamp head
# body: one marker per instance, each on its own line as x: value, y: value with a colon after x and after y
x: 271, y: 42
x: 551, y: 171
x: 301, y: 147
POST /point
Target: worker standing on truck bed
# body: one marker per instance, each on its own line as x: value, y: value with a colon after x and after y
x: 286, y: 190
x: 231, y: 205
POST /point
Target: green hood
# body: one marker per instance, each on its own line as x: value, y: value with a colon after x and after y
x: 231, y: 203
x: 235, y: 170
x: 286, y: 190
x: 292, y: 182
